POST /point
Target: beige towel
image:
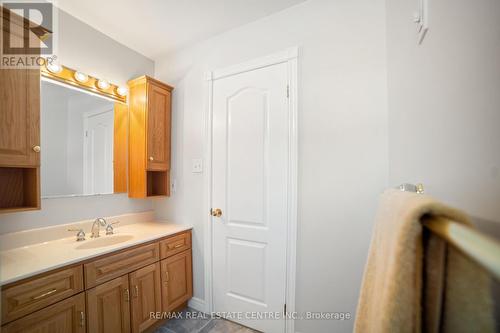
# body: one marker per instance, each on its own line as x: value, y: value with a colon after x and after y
x: 414, y: 281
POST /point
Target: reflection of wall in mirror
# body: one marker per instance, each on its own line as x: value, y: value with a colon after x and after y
x: 53, y: 120
x: 62, y: 131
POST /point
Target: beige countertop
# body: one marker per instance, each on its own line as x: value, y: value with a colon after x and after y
x: 26, y: 261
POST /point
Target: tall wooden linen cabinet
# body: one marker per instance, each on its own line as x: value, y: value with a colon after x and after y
x: 19, y: 133
x: 149, y: 137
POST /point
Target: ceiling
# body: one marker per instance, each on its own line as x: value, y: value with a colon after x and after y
x: 157, y: 27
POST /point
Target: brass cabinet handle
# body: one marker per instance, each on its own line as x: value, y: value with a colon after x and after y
x: 136, y: 291
x: 127, y: 295
x: 36, y: 149
x: 166, y: 276
x: 151, y: 158
x: 50, y: 292
x: 82, y: 319
x: 217, y: 212
x: 178, y: 246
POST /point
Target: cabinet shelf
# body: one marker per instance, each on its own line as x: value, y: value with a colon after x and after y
x: 157, y: 183
x: 20, y: 189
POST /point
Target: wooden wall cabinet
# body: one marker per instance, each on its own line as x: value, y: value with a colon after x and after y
x: 19, y: 134
x: 120, y: 148
x: 116, y: 292
x: 149, y: 137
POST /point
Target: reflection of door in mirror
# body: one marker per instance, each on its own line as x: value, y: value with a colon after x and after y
x: 98, y: 152
x: 77, y: 132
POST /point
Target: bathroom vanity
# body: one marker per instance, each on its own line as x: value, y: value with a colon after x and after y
x: 111, y: 283
x: 67, y: 134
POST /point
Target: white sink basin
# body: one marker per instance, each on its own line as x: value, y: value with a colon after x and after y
x: 104, y: 241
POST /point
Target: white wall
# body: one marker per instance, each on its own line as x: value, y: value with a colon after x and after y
x: 86, y: 49
x: 444, y: 102
x: 81, y: 47
x: 342, y: 141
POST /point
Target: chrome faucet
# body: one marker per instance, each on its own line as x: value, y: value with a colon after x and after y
x: 99, y: 222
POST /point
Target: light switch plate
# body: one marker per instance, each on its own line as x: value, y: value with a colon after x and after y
x: 197, y: 165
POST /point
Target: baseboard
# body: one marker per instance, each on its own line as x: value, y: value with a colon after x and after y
x: 197, y: 304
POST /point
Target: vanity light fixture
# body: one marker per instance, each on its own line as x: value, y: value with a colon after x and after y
x: 102, y: 84
x: 54, y: 67
x: 81, y: 77
x: 122, y: 91
x: 53, y: 71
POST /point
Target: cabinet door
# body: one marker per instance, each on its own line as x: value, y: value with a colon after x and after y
x: 158, y: 130
x: 176, y: 280
x: 108, y: 307
x: 19, y: 117
x: 145, y: 289
x: 67, y: 316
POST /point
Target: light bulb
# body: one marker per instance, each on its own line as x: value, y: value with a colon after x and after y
x: 81, y: 77
x: 102, y: 84
x: 54, y: 67
x: 122, y: 91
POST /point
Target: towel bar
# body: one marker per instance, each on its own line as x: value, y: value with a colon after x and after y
x: 483, y: 249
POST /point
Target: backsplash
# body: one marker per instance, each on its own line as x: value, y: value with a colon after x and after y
x: 33, y: 236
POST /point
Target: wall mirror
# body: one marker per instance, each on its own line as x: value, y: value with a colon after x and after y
x: 81, y: 136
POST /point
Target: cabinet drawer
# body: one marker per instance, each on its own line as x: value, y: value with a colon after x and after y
x: 112, y: 266
x: 175, y: 244
x: 67, y: 316
x: 37, y: 293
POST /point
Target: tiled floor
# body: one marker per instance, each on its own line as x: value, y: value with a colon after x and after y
x: 191, y: 321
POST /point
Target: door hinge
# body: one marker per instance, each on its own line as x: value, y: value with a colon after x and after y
x: 287, y: 91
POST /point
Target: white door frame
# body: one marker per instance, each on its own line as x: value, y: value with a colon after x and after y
x: 288, y: 56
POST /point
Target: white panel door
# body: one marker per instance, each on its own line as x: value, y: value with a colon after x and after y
x: 249, y: 184
x: 98, y: 155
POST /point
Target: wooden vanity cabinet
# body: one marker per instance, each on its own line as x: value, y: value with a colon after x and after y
x: 146, y: 296
x: 19, y: 132
x: 67, y: 316
x: 115, y: 292
x: 149, y: 137
x: 108, y: 307
x: 39, y: 292
x: 109, y: 267
x: 176, y: 280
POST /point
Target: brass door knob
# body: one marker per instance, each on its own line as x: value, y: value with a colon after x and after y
x: 217, y: 212
x: 151, y: 158
x: 36, y: 149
